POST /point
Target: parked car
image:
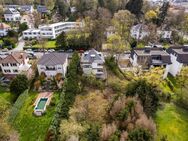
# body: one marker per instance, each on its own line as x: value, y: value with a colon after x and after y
x: 61, y: 50
x: 70, y: 50
x: 31, y: 56
x: 51, y: 50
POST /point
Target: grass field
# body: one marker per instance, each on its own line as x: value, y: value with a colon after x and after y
x: 173, y: 122
x: 5, y: 97
x: 49, y: 44
x: 30, y: 127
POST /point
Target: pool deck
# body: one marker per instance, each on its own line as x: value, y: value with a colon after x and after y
x: 44, y: 95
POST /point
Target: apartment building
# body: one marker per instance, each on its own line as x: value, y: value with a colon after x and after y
x: 51, y: 31
x: 31, y: 34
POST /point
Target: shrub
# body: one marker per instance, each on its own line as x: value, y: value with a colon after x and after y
x: 18, y: 85
x: 140, y: 134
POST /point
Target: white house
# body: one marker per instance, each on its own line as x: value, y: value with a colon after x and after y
x: 179, y: 58
x: 51, y: 31
x: 139, y: 31
x: 15, y: 63
x: 4, y: 28
x: 53, y: 63
x: 92, y: 63
x: 31, y: 34
x: 12, y: 14
x: 164, y: 34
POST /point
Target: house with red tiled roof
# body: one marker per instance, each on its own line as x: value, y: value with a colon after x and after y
x: 15, y: 63
x: 4, y: 28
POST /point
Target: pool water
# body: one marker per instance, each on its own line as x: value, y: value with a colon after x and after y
x: 41, y: 104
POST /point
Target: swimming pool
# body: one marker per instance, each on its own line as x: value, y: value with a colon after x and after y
x: 40, y: 106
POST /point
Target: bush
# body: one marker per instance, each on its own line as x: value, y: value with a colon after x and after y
x: 140, y: 134
x: 18, y: 85
x: 147, y: 93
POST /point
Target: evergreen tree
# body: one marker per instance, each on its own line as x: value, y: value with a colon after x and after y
x: 135, y: 7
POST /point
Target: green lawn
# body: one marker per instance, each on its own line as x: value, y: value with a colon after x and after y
x: 173, y: 122
x: 49, y: 44
x: 30, y: 127
x: 5, y: 97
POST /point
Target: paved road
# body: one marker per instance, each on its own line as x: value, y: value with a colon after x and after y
x: 20, y: 45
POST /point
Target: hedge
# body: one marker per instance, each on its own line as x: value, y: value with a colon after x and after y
x: 17, y: 106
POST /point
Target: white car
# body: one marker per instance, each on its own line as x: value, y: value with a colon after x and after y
x: 51, y: 50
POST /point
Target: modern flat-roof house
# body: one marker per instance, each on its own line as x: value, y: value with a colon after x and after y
x: 179, y: 58
x: 53, y: 63
x: 51, y: 31
x: 150, y: 57
x: 4, y: 28
x: 92, y: 63
x: 12, y: 15
x: 139, y: 31
x: 15, y: 63
x: 31, y: 34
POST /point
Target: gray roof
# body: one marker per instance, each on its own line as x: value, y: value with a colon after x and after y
x: 181, y: 52
x: 7, y: 11
x: 53, y: 59
x: 92, y: 55
x: 152, y: 53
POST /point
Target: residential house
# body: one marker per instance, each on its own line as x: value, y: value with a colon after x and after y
x: 179, y: 58
x: 15, y: 63
x: 53, y: 63
x: 92, y: 63
x: 31, y: 34
x: 42, y: 9
x: 28, y: 19
x: 139, y: 31
x: 164, y: 34
x: 4, y: 28
x: 26, y: 8
x: 12, y: 15
x: 150, y: 57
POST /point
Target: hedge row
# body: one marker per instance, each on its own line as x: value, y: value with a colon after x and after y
x: 17, y: 106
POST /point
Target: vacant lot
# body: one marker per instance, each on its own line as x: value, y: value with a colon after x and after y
x: 48, y: 44
x: 173, y: 122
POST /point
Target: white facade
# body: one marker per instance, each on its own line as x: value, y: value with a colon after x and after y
x: 92, y: 63
x: 52, y: 70
x: 15, y: 68
x: 31, y: 34
x: 53, y: 30
x: 139, y: 31
x: 164, y: 34
x: 175, y: 67
x: 4, y: 29
x: 12, y: 15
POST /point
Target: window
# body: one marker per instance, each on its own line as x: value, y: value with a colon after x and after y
x: 13, y: 64
x: 5, y: 65
x: 15, y: 70
x: 7, y: 71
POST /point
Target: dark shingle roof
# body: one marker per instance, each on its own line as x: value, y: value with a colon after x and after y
x: 7, y: 11
x: 53, y: 59
x: 92, y: 55
x: 181, y: 52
